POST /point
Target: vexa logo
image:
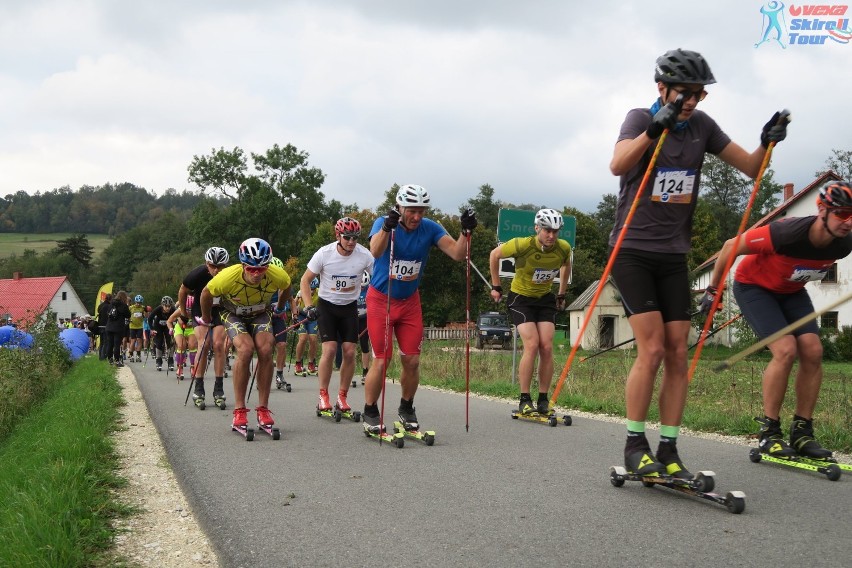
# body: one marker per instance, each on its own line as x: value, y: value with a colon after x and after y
x: 810, y: 24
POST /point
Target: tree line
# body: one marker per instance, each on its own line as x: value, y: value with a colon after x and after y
x: 276, y: 196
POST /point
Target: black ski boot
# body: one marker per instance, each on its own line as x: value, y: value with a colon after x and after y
x: 407, y: 415
x: 526, y: 406
x: 219, y: 393
x: 772, y: 441
x: 639, y: 459
x: 159, y: 363
x: 198, y: 394
x: 543, y: 406
x: 667, y: 455
x: 372, y: 420
x: 171, y: 364
x: 802, y: 439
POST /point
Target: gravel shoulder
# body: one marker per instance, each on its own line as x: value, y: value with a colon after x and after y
x: 165, y: 532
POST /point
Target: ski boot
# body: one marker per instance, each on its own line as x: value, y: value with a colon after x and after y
x: 543, y: 406
x: 300, y: 371
x: 363, y: 375
x: 342, y: 403
x: 408, y: 426
x: 280, y: 383
x: 312, y: 368
x: 667, y: 455
x: 323, y: 404
x: 407, y: 416
x: 527, y: 408
x: 198, y: 394
x: 639, y: 460
x: 138, y: 356
x: 218, y: 394
x: 159, y: 363
x: 772, y: 441
x: 374, y: 429
x: 266, y: 423
x: 171, y: 364
x: 802, y: 440
x: 240, y: 424
x: 179, y: 372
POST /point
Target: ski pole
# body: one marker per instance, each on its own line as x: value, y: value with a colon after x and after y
x: 602, y: 351
x: 197, y: 362
x: 717, y: 330
x: 729, y: 362
x: 608, y: 267
x: 785, y: 116
x: 484, y: 281
x: 467, y: 337
x: 292, y: 349
x: 292, y: 327
x: 254, y: 372
x: 388, y: 346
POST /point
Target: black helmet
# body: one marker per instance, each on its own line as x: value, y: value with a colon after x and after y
x: 835, y: 194
x: 682, y: 66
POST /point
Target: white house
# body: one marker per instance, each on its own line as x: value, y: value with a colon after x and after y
x: 25, y: 299
x: 608, y: 326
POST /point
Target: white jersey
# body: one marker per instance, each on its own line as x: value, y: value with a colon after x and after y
x: 340, y: 276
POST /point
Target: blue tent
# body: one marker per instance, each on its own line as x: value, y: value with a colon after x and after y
x: 13, y: 338
x: 76, y: 341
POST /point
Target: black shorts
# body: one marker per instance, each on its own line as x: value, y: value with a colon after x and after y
x: 136, y: 333
x: 653, y: 282
x: 279, y: 324
x: 337, y: 321
x: 363, y: 334
x: 767, y: 312
x: 524, y: 309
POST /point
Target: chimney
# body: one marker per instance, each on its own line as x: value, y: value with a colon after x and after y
x: 17, y: 275
x: 788, y: 191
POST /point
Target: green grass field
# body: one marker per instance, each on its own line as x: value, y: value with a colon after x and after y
x: 17, y: 243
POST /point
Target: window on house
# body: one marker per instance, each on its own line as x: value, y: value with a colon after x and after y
x: 828, y: 320
x: 831, y: 274
x: 64, y: 296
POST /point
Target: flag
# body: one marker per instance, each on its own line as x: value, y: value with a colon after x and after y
x: 102, y: 294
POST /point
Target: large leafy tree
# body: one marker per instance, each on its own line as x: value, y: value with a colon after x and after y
x: 77, y: 247
x: 278, y: 201
x: 840, y: 162
x: 486, y: 208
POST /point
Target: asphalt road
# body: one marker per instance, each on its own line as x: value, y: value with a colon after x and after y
x: 506, y: 493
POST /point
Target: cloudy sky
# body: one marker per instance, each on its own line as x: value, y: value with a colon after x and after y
x: 525, y: 96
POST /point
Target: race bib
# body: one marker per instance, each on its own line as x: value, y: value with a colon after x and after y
x: 344, y: 284
x: 137, y: 315
x: 807, y: 274
x: 250, y: 310
x: 672, y: 185
x: 405, y: 270
x: 215, y: 300
x: 543, y: 276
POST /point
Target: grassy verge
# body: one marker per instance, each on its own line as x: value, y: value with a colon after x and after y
x: 57, y: 474
x: 724, y: 402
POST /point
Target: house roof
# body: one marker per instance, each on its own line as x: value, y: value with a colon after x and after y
x: 585, y: 298
x: 26, y: 298
x: 778, y: 211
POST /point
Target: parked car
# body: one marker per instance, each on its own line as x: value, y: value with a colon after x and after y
x: 492, y: 328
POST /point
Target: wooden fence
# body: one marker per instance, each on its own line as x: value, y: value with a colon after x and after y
x: 446, y: 333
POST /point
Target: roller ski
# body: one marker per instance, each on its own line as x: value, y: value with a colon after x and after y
x: 540, y: 413
x: 218, y: 395
x: 372, y: 429
x: 198, y: 395
x: 265, y: 423
x: 312, y: 369
x: 240, y: 424
x: 803, y: 452
x: 280, y: 383
x: 409, y: 427
x: 300, y: 371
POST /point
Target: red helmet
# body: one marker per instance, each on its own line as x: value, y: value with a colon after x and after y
x: 347, y: 226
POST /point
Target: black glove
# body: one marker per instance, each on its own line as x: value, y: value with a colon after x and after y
x: 707, y: 300
x: 776, y: 129
x: 391, y: 221
x: 560, y: 302
x: 310, y: 313
x: 665, y: 119
x: 468, y: 221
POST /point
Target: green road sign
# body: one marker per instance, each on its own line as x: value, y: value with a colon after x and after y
x: 513, y: 223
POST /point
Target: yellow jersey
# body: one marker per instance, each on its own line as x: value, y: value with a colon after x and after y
x: 243, y: 299
x: 535, y: 269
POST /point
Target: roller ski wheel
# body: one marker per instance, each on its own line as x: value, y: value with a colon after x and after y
x: 332, y: 413
x: 549, y: 419
x: 700, y: 486
x: 219, y: 401
x: 829, y: 468
x: 280, y: 383
x: 272, y: 431
x: 427, y: 437
x: 199, y: 402
x: 354, y: 383
x: 244, y: 431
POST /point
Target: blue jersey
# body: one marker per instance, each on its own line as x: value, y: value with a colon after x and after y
x: 410, y: 252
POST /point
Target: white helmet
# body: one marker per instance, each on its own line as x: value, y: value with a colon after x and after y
x: 548, y: 219
x: 365, y: 279
x: 216, y: 256
x: 412, y: 196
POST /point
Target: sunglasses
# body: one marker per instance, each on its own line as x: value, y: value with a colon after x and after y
x: 349, y: 237
x: 842, y: 214
x: 698, y: 95
x: 256, y: 269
